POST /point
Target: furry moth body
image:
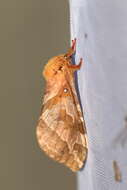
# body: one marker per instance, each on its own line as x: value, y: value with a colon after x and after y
x: 61, y: 131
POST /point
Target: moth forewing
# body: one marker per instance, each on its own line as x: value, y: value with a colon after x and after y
x: 60, y: 131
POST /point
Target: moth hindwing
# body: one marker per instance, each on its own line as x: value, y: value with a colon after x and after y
x: 61, y: 131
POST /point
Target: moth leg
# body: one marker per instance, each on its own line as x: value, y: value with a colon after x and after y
x: 72, y: 50
x: 76, y: 67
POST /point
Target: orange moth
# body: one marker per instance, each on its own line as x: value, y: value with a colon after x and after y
x: 61, y: 131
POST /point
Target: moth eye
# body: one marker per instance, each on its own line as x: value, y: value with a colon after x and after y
x: 60, y: 68
x: 65, y: 90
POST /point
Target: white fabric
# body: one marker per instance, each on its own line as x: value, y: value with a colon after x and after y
x: 100, y: 27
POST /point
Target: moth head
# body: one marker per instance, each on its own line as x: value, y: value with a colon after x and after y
x: 55, y: 66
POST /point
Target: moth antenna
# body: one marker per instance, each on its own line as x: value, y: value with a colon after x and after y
x: 73, y: 44
x: 72, y: 50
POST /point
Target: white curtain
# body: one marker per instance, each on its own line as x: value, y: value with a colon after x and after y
x: 100, y: 27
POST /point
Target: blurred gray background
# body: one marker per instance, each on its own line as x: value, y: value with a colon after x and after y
x: 30, y: 33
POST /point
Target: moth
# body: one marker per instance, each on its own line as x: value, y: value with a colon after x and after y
x: 117, y: 172
x: 61, y: 131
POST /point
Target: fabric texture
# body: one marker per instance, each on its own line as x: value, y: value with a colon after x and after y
x: 101, y: 31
